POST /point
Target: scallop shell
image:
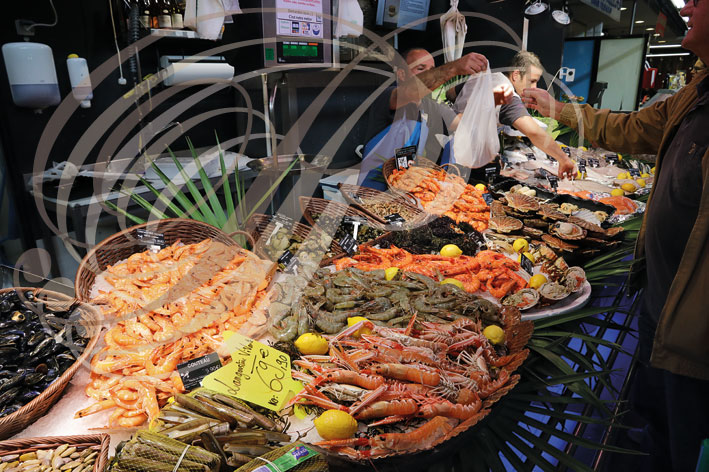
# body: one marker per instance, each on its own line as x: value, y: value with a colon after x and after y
x: 504, y: 224
x: 556, y: 243
x: 574, y: 279
x: 552, y: 292
x: 548, y: 211
x: 586, y: 216
x: 523, y: 300
x: 567, y: 231
x: 587, y: 225
x: 497, y: 209
x: 537, y: 223
x: 532, y: 232
x: 521, y: 202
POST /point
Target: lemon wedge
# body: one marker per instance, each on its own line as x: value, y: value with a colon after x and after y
x: 641, y: 182
x: 335, y: 424
x: 494, y: 334
x: 451, y: 250
x: 311, y: 343
x: 480, y: 187
x: 537, y: 281
x: 617, y: 192
x: 455, y: 282
x: 390, y: 272
x: 353, y: 321
x: 520, y: 245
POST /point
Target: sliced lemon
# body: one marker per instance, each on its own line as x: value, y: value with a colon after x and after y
x: 335, y: 424
x: 455, y: 282
x: 628, y: 187
x: 451, y: 250
x: 520, y: 245
x: 622, y: 175
x: 311, y: 343
x: 528, y: 255
x: 652, y: 171
x: 641, y: 182
x: 480, y: 187
x: 537, y: 281
x: 495, y: 334
x: 390, y: 272
x: 617, y: 192
x: 644, y: 175
x: 353, y: 321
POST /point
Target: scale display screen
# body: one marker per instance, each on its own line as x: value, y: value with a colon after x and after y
x: 299, y: 51
x: 300, y: 29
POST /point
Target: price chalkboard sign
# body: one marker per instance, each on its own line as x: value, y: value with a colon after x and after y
x: 635, y: 173
x: 553, y: 181
x: 192, y: 372
x: 154, y: 241
x: 526, y: 264
x: 395, y: 219
x: 490, y: 174
x: 403, y: 156
x: 348, y: 244
x: 488, y: 198
x: 288, y: 262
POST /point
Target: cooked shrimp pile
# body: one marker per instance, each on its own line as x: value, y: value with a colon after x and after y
x: 441, y: 193
x: 172, y: 306
x: 487, y: 271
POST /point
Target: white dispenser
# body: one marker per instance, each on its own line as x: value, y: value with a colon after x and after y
x: 79, y: 78
x: 31, y: 73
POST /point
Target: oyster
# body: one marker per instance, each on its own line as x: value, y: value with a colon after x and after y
x: 587, y: 225
x: 497, y: 209
x: 524, y: 299
x: 552, y: 292
x: 505, y: 224
x: 568, y: 231
x: 558, y: 244
x: 532, y: 232
x: 574, y: 279
x: 550, y: 212
x: 568, y: 208
x: 521, y: 202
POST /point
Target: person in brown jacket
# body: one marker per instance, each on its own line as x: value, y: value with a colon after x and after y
x: 671, y: 390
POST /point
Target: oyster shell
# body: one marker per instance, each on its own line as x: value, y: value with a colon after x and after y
x: 558, y: 244
x: 505, y: 224
x: 532, y: 232
x: 550, y: 212
x: 567, y: 231
x: 552, y: 292
x: 521, y: 202
x: 574, y: 279
x: 524, y: 299
x: 587, y: 225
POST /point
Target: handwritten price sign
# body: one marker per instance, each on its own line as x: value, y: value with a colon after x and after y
x: 258, y: 374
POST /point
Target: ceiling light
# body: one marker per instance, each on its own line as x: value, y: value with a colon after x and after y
x: 650, y: 28
x: 535, y: 8
x: 562, y: 16
x: 661, y: 41
x: 669, y: 54
x: 665, y: 45
x: 639, y: 21
x: 623, y: 8
x: 656, y: 34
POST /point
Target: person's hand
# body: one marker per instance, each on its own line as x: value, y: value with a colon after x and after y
x: 471, y: 63
x: 503, y: 94
x: 567, y: 168
x: 540, y: 100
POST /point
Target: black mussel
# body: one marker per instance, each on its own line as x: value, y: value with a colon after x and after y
x: 8, y: 410
x: 27, y: 396
x: 9, y: 338
x: 29, y: 295
x: 42, y: 369
x: 18, y: 316
x: 6, y: 373
x: 43, y: 348
x: 5, y: 306
x: 34, y: 378
x: 11, y: 382
x: 35, y: 338
x: 9, y: 395
x: 52, y: 374
x: 11, y: 297
x: 6, y: 324
x: 54, y: 322
x: 65, y: 359
x: 30, y: 362
x: 31, y: 315
x: 8, y: 352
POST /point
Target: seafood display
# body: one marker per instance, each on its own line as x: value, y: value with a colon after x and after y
x: 441, y: 193
x: 148, y: 451
x: 223, y: 425
x: 435, y: 234
x: 311, y: 246
x: 488, y: 271
x: 39, y: 340
x: 66, y: 457
x: 169, y: 307
x: 623, y: 205
x: 411, y: 388
x: 331, y: 298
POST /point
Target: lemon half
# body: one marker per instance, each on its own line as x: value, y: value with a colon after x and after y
x: 451, y: 250
x: 455, y: 282
x: 335, y: 424
x: 617, y: 192
x: 520, y: 245
x: 390, y: 272
x: 353, y: 321
x: 537, y: 281
x: 311, y: 343
x: 494, y: 334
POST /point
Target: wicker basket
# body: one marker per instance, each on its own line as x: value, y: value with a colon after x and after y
x: 389, y: 166
x: 99, y: 442
x: 261, y: 226
x: 309, y: 205
x: 32, y: 411
x: 406, y: 200
x: 123, y: 244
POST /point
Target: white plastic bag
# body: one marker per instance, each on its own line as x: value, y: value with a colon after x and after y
x: 476, y: 143
x: 453, y: 29
x: 350, y: 12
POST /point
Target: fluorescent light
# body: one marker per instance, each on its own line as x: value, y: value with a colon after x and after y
x: 665, y: 45
x: 639, y: 21
x: 661, y: 41
x: 656, y: 34
x: 650, y: 29
x: 623, y: 8
x: 669, y: 54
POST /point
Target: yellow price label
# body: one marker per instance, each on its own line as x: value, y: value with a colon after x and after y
x: 257, y: 373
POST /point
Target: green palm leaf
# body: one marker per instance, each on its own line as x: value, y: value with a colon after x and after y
x: 196, y: 196
x: 210, y: 193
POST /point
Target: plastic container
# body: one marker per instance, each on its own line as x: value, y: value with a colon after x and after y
x: 32, y: 75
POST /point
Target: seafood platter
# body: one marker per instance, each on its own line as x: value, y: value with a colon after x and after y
x: 400, y: 211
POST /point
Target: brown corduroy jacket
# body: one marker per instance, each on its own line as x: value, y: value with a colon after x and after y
x: 682, y: 339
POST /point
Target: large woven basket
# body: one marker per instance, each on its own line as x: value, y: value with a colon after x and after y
x: 123, y: 244
x: 310, y: 205
x: 32, y: 411
x: 389, y: 167
x: 99, y: 442
x: 260, y: 227
x: 406, y: 200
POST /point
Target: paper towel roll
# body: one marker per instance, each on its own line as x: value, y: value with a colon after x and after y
x: 179, y: 73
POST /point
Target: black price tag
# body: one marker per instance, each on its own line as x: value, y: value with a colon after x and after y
x: 594, y: 162
x: 504, y: 162
x: 395, y: 219
x: 582, y: 162
x: 192, y: 372
x: 350, y: 220
x: 526, y: 264
x: 531, y: 156
x: 490, y: 173
x: 288, y: 262
x: 634, y: 172
x: 582, y: 168
x: 553, y: 181
x: 611, y: 158
x: 488, y: 198
x: 355, y: 198
x: 154, y: 241
x: 348, y: 244
x: 404, y: 155
x: 567, y: 151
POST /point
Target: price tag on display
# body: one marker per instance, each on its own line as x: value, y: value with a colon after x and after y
x: 612, y: 158
x: 488, y: 198
x: 526, y: 264
x: 567, y: 151
x: 531, y: 156
x: 504, y: 162
x: 490, y: 173
x: 154, y: 241
x: 553, y: 181
x: 594, y: 162
x: 348, y: 244
x: 582, y: 167
x: 192, y: 372
x: 288, y: 262
x: 395, y: 219
x: 257, y: 373
x: 635, y: 173
x: 403, y: 156
x: 355, y: 198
